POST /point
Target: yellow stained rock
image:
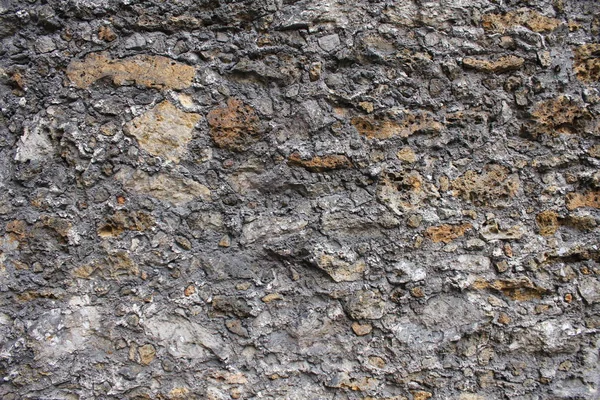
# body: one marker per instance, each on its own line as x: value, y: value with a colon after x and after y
x: 447, y: 233
x: 577, y: 200
x: 587, y: 62
x: 531, y: 19
x: 503, y: 64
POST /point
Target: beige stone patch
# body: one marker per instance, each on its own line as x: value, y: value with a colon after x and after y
x: 172, y: 188
x: 547, y: 222
x: 340, y: 270
x: 164, y: 130
x: 518, y: 289
x: 488, y: 187
x: 503, y: 64
x: 447, y: 233
x: 122, y: 221
x: 578, y: 200
x: 587, y: 62
x: 146, y: 353
x: 561, y: 115
x: 150, y: 71
x: 321, y: 164
x: 531, y: 19
x: 361, y: 329
x: 384, y: 128
x: 404, y: 191
x: 407, y: 155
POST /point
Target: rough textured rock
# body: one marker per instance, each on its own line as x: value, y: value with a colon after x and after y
x: 303, y: 200
x: 164, y: 130
x: 168, y: 187
x: 151, y: 71
x: 233, y: 127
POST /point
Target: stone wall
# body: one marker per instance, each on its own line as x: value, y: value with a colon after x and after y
x: 295, y: 199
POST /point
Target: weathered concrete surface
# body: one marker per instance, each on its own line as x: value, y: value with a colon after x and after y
x: 266, y: 199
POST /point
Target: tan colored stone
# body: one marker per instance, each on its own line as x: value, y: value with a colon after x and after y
x: 271, y: 297
x: 407, y: 155
x: 594, y: 151
x: 361, y: 329
x: 172, y: 188
x: 377, y: 362
x: 577, y: 200
x: 225, y: 241
x: 234, y: 126
x: 504, y: 319
x: 447, y: 233
x: 531, y: 19
x: 120, y: 264
x: 321, y: 164
x: 150, y: 71
x: 106, y: 33
x: 518, y: 289
x: 358, y: 384
x: 470, y: 396
x: 367, y: 106
x: 378, y: 128
x: 584, y: 223
x: 503, y: 64
x: 340, y: 270
x: 587, y: 62
x: 147, y: 353
x: 179, y: 393
x: 123, y: 220
x: 547, y: 222
x: 404, y: 191
x: 190, y: 290
x: 164, y: 130
x: 486, y: 188
x: 560, y: 115
x: 421, y: 395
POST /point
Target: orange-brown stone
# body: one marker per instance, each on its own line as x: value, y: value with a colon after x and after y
x: 234, y: 126
x: 447, y: 233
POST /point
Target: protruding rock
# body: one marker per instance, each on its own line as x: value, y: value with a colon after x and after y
x: 366, y: 304
x: 587, y: 62
x: 234, y: 126
x: 531, y: 19
x: 503, y: 64
x: 547, y: 222
x: 490, y: 187
x: 164, y: 131
x: 150, y: 71
x: 341, y: 270
x: 588, y: 199
x: 321, y: 164
x: 447, y: 233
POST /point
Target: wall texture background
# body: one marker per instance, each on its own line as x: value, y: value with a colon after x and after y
x: 281, y: 199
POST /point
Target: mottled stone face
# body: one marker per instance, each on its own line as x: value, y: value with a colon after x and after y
x: 299, y: 199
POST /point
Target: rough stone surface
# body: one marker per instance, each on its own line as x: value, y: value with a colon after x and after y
x: 300, y: 199
x: 164, y: 131
x: 145, y: 70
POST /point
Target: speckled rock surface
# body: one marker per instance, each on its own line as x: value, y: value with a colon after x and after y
x: 297, y: 199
